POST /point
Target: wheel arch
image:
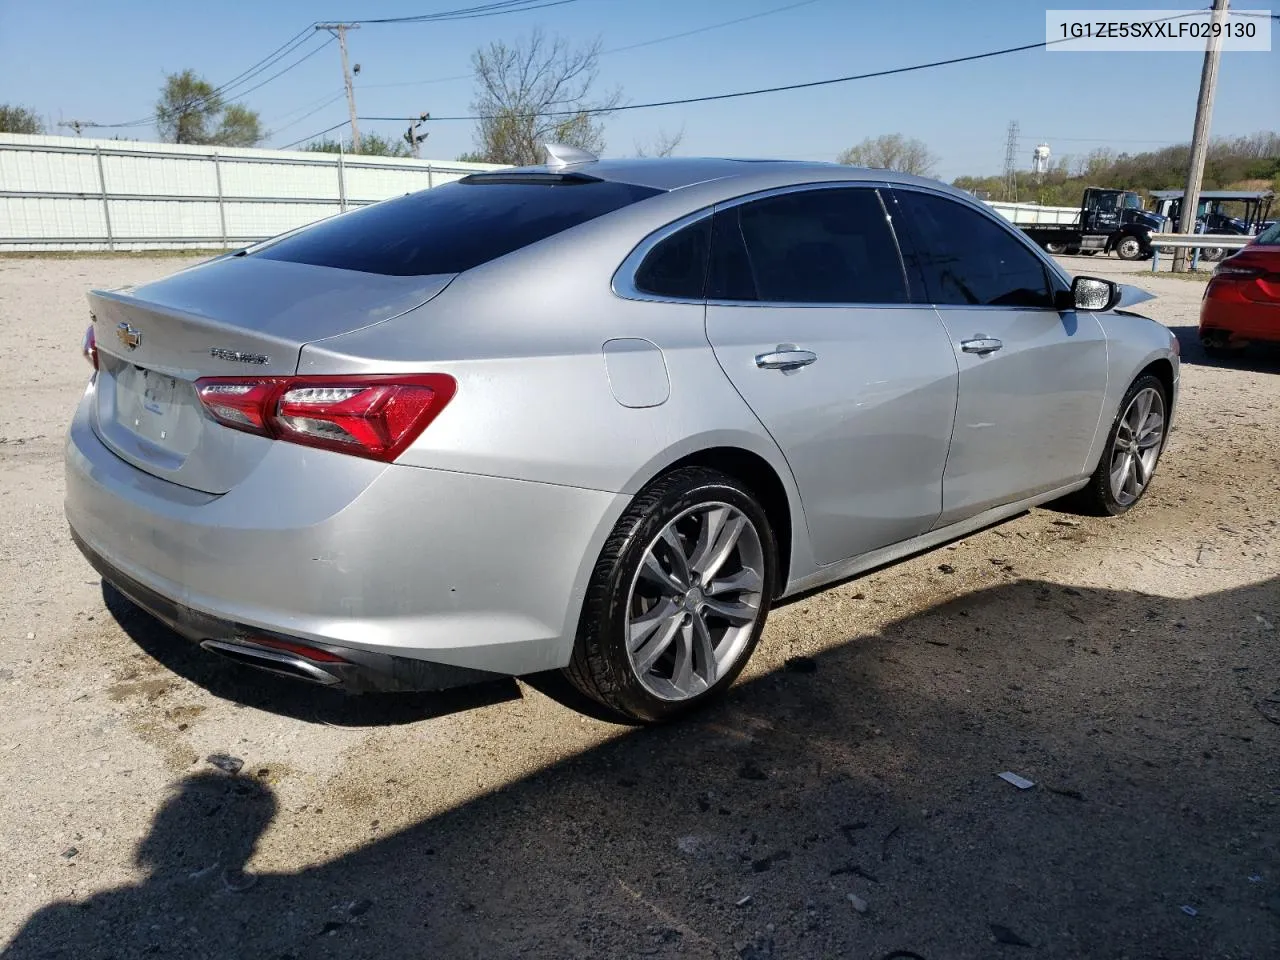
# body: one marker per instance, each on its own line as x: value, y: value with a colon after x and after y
x: 770, y: 482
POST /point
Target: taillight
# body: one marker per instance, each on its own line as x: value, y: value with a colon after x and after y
x: 374, y: 416
x: 89, y: 347
x: 1233, y: 271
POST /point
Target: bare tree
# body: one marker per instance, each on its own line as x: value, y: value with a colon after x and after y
x: 534, y: 91
x: 663, y: 145
x: 891, y: 151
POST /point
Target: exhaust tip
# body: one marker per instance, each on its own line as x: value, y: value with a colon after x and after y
x: 285, y: 662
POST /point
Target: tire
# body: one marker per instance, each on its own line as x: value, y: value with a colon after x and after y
x: 623, y: 599
x: 1056, y: 248
x: 1213, y: 254
x: 1129, y: 248
x: 1100, y: 496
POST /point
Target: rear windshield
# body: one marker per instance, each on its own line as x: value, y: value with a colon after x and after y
x: 453, y: 228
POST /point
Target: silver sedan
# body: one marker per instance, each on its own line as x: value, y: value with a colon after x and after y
x: 596, y: 415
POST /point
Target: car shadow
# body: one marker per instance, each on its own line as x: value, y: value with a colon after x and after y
x: 1255, y: 358
x: 849, y: 809
x: 284, y: 696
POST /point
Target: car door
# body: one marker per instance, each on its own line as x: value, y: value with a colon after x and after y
x: 1032, y: 377
x: 810, y: 315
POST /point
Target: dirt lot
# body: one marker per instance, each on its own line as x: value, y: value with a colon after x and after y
x: 1128, y: 667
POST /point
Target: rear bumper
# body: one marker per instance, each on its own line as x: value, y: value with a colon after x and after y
x: 1240, y: 320
x: 402, y: 563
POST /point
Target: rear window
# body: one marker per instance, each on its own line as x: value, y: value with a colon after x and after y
x: 453, y: 228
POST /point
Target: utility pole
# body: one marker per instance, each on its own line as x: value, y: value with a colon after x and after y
x: 413, y: 138
x: 76, y: 125
x: 1200, y: 135
x: 1011, y: 163
x: 339, y: 30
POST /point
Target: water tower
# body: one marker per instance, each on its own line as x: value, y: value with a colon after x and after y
x: 1040, y: 161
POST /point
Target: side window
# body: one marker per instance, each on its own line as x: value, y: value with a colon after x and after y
x: 677, y: 266
x: 813, y: 246
x: 967, y: 258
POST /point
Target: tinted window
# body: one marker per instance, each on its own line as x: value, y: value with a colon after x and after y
x: 677, y: 266
x: 815, y: 246
x: 967, y: 258
x: 454, y: 227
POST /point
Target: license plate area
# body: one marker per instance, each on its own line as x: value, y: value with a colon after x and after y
x: 149, y: 404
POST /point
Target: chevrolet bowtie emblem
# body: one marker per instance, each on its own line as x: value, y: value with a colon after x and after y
x: 129, y: 335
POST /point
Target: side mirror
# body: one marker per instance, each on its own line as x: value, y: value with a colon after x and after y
x: 1092, y: 294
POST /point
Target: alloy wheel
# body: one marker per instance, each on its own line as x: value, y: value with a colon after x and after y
x: 1138, y: 440
x: 694, y: 600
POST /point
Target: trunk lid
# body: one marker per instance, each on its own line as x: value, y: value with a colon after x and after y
x: 234, y: 316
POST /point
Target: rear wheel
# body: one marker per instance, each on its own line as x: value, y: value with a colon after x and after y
x: 678, y: 598
x: 1133, y: 448
x: 1129, y: 248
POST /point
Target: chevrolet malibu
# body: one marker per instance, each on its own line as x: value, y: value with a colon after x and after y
x: 593, y: 415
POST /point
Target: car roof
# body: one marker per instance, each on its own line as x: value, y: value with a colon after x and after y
x: 674, y: 173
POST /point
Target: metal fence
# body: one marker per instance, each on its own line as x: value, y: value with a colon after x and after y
x: 68, y: 193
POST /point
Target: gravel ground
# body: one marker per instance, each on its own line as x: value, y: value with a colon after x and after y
x: 842, y: 802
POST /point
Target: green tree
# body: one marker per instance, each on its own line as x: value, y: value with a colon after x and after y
x: 16, y: 119
x: 891, y: 151
x: 371, y: 145
x: 190, y: 110
x: 534, y: 91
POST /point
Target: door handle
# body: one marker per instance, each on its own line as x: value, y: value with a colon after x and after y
x: 786, y: 357
x: 981, y: 345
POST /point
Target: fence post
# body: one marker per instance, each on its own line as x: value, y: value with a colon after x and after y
x: 106, y: 207
x: 430, y: 179
x: 342, y: 181
x: 222, y: 208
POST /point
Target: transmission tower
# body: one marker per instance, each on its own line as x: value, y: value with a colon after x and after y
x: 1011, y: 163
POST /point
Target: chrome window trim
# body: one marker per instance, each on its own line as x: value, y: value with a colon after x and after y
x: 623, y: 283
x: 624, y: 278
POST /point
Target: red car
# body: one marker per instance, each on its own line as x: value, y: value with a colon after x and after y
x: 1242, y: 301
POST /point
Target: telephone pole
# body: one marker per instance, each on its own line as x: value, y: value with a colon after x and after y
x: 339, y: 30
x: 413, y: 138
x: 1200, y: 135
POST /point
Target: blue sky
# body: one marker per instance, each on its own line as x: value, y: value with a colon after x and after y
x: 105, y: 62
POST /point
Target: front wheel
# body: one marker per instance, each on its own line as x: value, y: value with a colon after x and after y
x: 1133, y: 448
x: 678, y: 598
x: 1129, y: 248
x: 1056, y: 248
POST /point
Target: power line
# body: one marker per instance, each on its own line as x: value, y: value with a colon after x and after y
x: 327, y: 98
x: 604, y: 53
x: 311, y: 113
x: 713, y: 26
x: 273, y: 57
x: 893, y: 71
x: 472, y: 13
x: 312, y: 136
x: 756, y: 92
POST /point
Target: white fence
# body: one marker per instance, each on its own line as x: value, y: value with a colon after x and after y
x: 68, y: 193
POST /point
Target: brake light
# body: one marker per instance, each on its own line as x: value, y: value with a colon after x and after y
x: 1236, y: 271
x: 374, y: 416
x: 89, y: 347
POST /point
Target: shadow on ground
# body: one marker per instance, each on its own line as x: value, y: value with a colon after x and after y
x: 1256, y: 358
x: 290, y: 698
x: 870, y: 770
